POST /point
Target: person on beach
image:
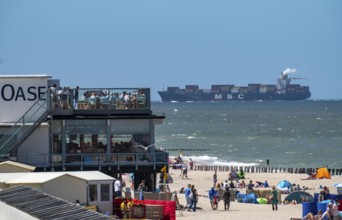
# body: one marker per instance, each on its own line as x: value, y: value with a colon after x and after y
x: 118, y: 187
x: 215, y: 178
x: 326, y: 190
x: 193, y: 199
x: 274, y: 198
x: 328, y: 213
x: 231, y: 184
x: 232, y: 175
x: 187, y: 192
x: 335, y: 211
x: 185, y: 171
x: 225, y: 184
x: 250, y: 185
x: 321, y: 196
x: 191, y: 164
x: 142, y: 186
x: 226, y: 199
x: 241, y: 185
x: 213, y: 197
x: 310, y: 216
x: 220, y: 190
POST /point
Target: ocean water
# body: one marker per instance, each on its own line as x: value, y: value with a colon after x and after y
x: 287, y: 133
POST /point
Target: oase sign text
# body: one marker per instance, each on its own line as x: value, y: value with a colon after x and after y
x: 18, y: 93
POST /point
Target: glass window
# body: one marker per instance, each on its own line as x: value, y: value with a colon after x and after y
x: 130, y: 126
x: 104, y: 192
x: 93, y: 193
x: 56, y: 126
x: 86, y: 126
x: 56, y: 144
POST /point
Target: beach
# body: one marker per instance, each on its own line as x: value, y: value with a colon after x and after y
x: 203, y: 180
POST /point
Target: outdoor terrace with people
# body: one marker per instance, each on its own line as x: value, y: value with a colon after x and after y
x: 99, y: 99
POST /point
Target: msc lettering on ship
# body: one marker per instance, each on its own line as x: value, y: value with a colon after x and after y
x: 11, y: 93
x: 229, y: 96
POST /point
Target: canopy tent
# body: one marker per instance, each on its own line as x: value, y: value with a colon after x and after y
x: 338, y: 185
x: 339, y: 188
x: 283, y: 184
x: 323, y: 173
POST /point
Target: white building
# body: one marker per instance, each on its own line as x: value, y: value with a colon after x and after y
x: 69, y: 129
x: 89, y: 187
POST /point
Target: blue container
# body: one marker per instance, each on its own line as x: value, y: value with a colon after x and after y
x: 316, y: 197
x: 335, y: 197
x: 323, y: 205
x: 308, y: 207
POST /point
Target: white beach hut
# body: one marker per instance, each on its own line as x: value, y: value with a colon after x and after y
x: 89, y: 187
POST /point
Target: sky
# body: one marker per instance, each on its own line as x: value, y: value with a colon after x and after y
x: 161, y: 43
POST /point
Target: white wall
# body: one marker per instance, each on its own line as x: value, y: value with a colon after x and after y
x: 10, y: 213
x: 37, y: 142
x: 68, y: 188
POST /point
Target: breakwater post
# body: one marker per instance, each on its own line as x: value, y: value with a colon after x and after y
x: 264, y: 169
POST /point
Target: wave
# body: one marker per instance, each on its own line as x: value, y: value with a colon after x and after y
x: 214, y: 161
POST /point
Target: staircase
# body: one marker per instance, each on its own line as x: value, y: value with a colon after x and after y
x: 26, y: 125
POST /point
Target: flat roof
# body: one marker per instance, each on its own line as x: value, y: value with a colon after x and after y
x: 25, y: 76
x: 4, y: 177
x: 44, y: 206
x: 16, y: 164
x: 43, y: 177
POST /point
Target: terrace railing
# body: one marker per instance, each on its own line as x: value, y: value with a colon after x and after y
x: 97, y: 160
x: 101, y: 99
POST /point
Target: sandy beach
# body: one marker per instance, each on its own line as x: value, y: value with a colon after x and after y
x: 203, y: 181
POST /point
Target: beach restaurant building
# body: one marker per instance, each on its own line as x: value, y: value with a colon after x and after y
x: 55, y: 128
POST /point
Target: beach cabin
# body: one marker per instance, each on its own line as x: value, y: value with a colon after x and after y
x: 57, y: 128
x: 26, y: 203
x: 91, y: 188
x: 13, y: 167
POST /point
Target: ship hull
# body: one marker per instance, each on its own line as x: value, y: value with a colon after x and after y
x: 226, y: 97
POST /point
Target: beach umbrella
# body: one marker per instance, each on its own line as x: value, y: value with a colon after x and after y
x: 284, y: 184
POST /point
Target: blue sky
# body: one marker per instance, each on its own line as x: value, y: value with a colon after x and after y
x: 160, y: 43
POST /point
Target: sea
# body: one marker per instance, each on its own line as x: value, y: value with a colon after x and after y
x: 303, y: 134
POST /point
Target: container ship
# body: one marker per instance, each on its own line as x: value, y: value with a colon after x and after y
x: 282, y: 90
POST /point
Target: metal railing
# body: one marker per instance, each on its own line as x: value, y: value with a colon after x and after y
x: 101, y: 99
x: 99, y: 160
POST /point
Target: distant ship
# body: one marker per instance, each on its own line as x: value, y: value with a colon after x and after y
x: 282, y: 90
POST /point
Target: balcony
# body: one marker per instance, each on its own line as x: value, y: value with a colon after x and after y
x: 95, y: 161
x: 100, y: 101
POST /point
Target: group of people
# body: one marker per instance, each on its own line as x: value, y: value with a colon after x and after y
x: 331, y: 213
x: 64, y: 97
x: 221, y: 192
x: 178, y: 163
x: 191, y: 198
